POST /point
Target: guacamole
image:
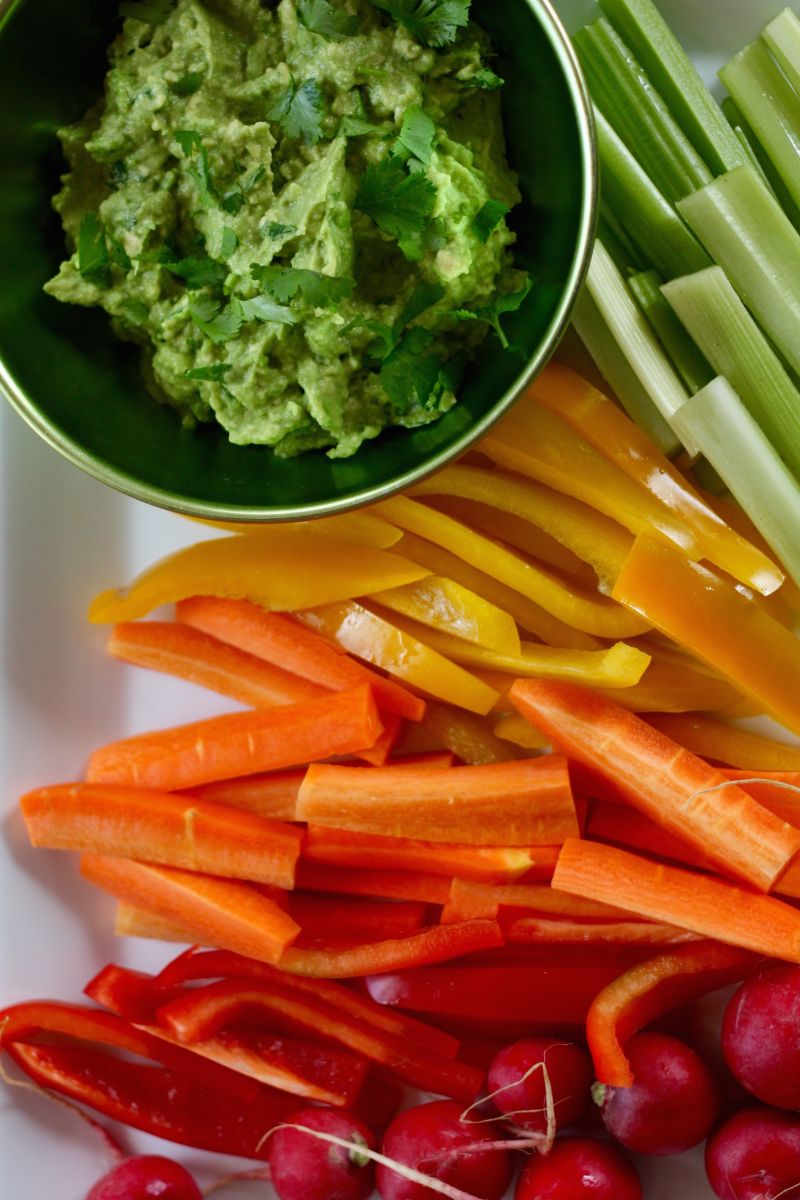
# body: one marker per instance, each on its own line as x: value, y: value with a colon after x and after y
x: 297, y: 210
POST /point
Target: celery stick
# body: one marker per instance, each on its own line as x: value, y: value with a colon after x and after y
x: 633, y: 335
x: 771, y: 107
x: 674, y: 74
x: 761, y: 160
x: 782, y: 37
x: 652, y: 222
x: 744, y: 230
x: 630, y: 103
x: 736, y: 348
x: 617, y: 242
x: 615, y: 369
x: 718, y: 421
x: 692, y: 366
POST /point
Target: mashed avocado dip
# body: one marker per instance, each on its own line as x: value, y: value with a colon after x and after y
x: 297, y: 209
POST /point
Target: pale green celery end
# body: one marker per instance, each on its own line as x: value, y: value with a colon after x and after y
x: 747, y: 233
x: 687, y: 358
x: 782, y: 37
x: 674, y: 74
x: 622, y: 90
x: 770, y: 106
x: 651, y: 221
x: 718, y: 421
x: 615, y: 369
x: 716, y: 318
x: 766, y: 168
x: 632, y: 333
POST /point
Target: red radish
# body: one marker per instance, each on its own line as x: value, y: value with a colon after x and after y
x: 755, y: 1155
x: 146, y: 1177
x: 761, y: 1035
x: 578, y: 1168
x: 433, y: 1139
x: 303, y: 1167
x: 517, y: 1082
x: 672, y: 1104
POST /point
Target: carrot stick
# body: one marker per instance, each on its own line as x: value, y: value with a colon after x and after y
x: 218, y: 912
x: 157, y: 827
x: 520, y: 803
x: 389, y: 885
x: 138, y: 922
x: 473, y: 901
x: 378, y: 754
x: 624, y: 826
x: 287, y: 644
x: 241, y: 743
x: 703, y: 904
x: 538, y: 931
x: 779, y: 791
x: 739, y: 748
x: 661, y: 779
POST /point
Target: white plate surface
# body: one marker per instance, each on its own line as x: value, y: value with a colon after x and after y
x: 64, y: 536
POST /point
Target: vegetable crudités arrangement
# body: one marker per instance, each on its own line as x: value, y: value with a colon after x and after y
x: 485, y: 825
x: 297, y: 210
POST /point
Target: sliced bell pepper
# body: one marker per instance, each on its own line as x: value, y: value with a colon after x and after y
x: 204, y: 1012
x: 468, y: 737
x: 649, y: 991
x: 513, y: 728
x: 272, y: 568
x: 596, y: 540
x: 718, y: 623
x: 391, y: 885
x: 381, y: 642
x: 602, y: 423
x: 739, y: 748
x: 333, y: 918
x: 443, y: 604
x: 589, y: 613
x: 544, y: 931
x: 732, y: 514
x: 668, y: 687
x: 360, y: 527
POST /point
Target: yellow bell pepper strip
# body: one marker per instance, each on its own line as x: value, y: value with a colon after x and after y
x: 444, y: 604
x: 529, y: 616
x: 729, y: 511
x: 591, y: 614
x: 381, y: 642
x: 360, y: 527
x: 466, y: 736
x: 713, y: 739
x: 515, y: 729
x: 599, y: 421
x: 596, y: 540
x: 283, y: 569
x: 618, y: 666
x: 717, y: 622
x: 535, y: 442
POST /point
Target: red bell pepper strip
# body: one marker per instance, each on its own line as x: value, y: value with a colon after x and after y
x: 379, y: 1102
x: 649, y: 991
x: 195, y: 965
x: 389, y: 885
x: 165, y: 1103
x: 523, y: 930
x: 132, y: 995
x: 203, y: 1012
x: 332, y: 919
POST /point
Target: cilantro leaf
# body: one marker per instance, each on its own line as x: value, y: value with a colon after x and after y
x: 189, y: 140
x: 398, y: 203
x: 191, y: 143
x: 228, y: 243
x: 117, y: 253
x: 488, y: 218
x: 212, y: 374
x: 417, y: 135
x: 430, y: 239
x: 188, y: 84
x: 355, y: 126
x: 218, y: 324
x: 198, y: 272
x: 410, y: 377
x: 262, y: 308
x: 320, y: 291
x: 93, y: 261
x: 485, y: 79
x: 432, y: 22
x: 424, y: 296
x: 322, y: 17
x: 300, y: 111
x: 274, y: 229
x: 504, y: 302
x: 151, y: 12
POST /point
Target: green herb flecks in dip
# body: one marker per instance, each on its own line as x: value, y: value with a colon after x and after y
x: 298, y: 210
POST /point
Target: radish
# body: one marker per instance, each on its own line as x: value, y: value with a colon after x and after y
x: 145, y: 1177
x: 433, y: 1139
x: 517, y: 1082
x: 761, y: 1035
x: 671, y: 1106
x: 306, y: 1168
x: 755, y: 1155
x: 577, y: 1168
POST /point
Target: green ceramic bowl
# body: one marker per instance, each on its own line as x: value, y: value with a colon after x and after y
x: 80, y: 387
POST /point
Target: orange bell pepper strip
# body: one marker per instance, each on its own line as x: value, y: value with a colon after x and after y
x: 603, y: 424
x: 729, y: 511
x: 522, y: 803
x: 449, y: 607
x: 362, y: 528
x: 739, y: 748
x: 437, y: 944
x: 617, y: 752
x: 592, y: 537
x: 272, y: 567
x: 383, y: 643
x: 709, y: 617
x: 245, y: 743
x: 589, y: 613
x: 651, y: 990
x: 176, y: 831
x: 467, y: 737
x: 667, y: 687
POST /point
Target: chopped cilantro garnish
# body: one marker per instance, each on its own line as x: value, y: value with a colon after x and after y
x: 299, y: 110
x: 252, y: 178
x: 198, y: 272
x: 424, y: 296
x: 228, y: 243
x: 355, y: 126
x: 218, y: 324
x: 320, y: 291
x: 93, y: 261
x: 274, y: 229
x: 417, y: 135
x: 151, y: 12
x: 262, y: 308
x: 398, y: 203
x: 324, y: 18
x: 504, y: 302
x: 432, y: 22
x: 485, y: 79
x: 117, y: 253
x: 488, y: 218
x: 191, y: 143
x: 188, y: 84
x: 212, y: 374
x: 411, y: 377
